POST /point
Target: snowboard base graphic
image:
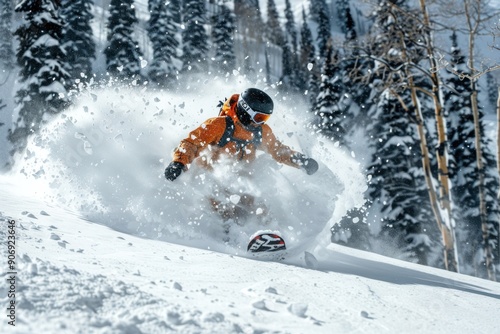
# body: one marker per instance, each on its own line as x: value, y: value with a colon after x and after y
x: 266, y: 242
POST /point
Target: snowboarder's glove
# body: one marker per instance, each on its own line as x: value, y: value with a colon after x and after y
x: 308, y: 164
x: 173, y: 170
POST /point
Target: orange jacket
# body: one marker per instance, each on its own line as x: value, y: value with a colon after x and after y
x: 208, y: 135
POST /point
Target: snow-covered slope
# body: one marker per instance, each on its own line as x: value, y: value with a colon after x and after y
x: 75, y: 276
x: 104, y: 244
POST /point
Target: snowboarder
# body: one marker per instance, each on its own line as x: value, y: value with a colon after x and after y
x: 238, y: 132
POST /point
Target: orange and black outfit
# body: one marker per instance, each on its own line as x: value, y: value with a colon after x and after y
x: 238, y: 132
x: 225, y: 134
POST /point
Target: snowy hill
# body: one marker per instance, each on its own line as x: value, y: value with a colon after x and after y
x: 97, y: 171
x: 75, y: 276
x: 104, y: 244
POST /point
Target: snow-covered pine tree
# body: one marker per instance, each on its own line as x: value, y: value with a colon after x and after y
x: 342, y: 7
x: 194, y: 37
x: 123, y: 56
x: 307, y: 62
x: 162, y: 34
x: 288, y: 73
x: 250, y: 25
x: 354, y: 71
x: 492, y: 85
x: 6, y: 45
x: 324, y: 36
x: 327, y: 111
x: 463, y: 171
x: 397, y: 182
x: 249, y: 19
x: 78, y: 39
x: 350, y: 27
x: 274, y: 33
x: 316, y: 7
x: 353, y: 230
x: 42, y: 74
x: 290, y: 28
x: 357, y: 97
x: 291, y: 39
x: 223, y: 28
x: 174, y: 7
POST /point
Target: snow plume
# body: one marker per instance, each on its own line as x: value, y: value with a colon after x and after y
x: 105, y: 158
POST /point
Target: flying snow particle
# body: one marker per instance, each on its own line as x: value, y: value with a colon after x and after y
x: 235, y: 199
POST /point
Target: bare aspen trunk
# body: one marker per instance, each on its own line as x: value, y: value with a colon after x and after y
x: 487, y: 248
x: 442, y: 155
x: 426, y: 164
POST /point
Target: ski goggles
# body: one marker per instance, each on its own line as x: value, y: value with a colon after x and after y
x: 257, y: 117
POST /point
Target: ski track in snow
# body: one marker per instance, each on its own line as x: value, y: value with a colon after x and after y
x: 106, y: 245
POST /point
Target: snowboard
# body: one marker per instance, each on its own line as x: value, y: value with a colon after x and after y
x: 266, y: 242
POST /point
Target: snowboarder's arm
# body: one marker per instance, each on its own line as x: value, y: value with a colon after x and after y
x: 279, y: 151
x: 208, y: 133
x: 284, y: 154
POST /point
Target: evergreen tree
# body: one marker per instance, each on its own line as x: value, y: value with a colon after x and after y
x: 397, y: 181
x: 328, y: 114
x: 315, y: 8
x: 295, y: 80
x: 290, y: 27
x: 324, y: 34
x: 6, y: 46
x: 274, y: 32
x: 356, y: 96
x: 342, y: 8
x: 353, y: 230
x: 252, y: 29
x: 288, y: 73
x: 492, y: 88
x: 346, y: 22
x: 223, y: 28
x: 42, y: 75
x: 307, y: 61
x: 463, y: 171
x: 174, y: 7
x: 122, y: 50
x: 161, y: 32
x: 350, y: 27
x: 78, y: 40
x: 249, y: 19
x: 194, y: 37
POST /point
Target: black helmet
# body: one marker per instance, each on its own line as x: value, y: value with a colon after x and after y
x: 254, y: 105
